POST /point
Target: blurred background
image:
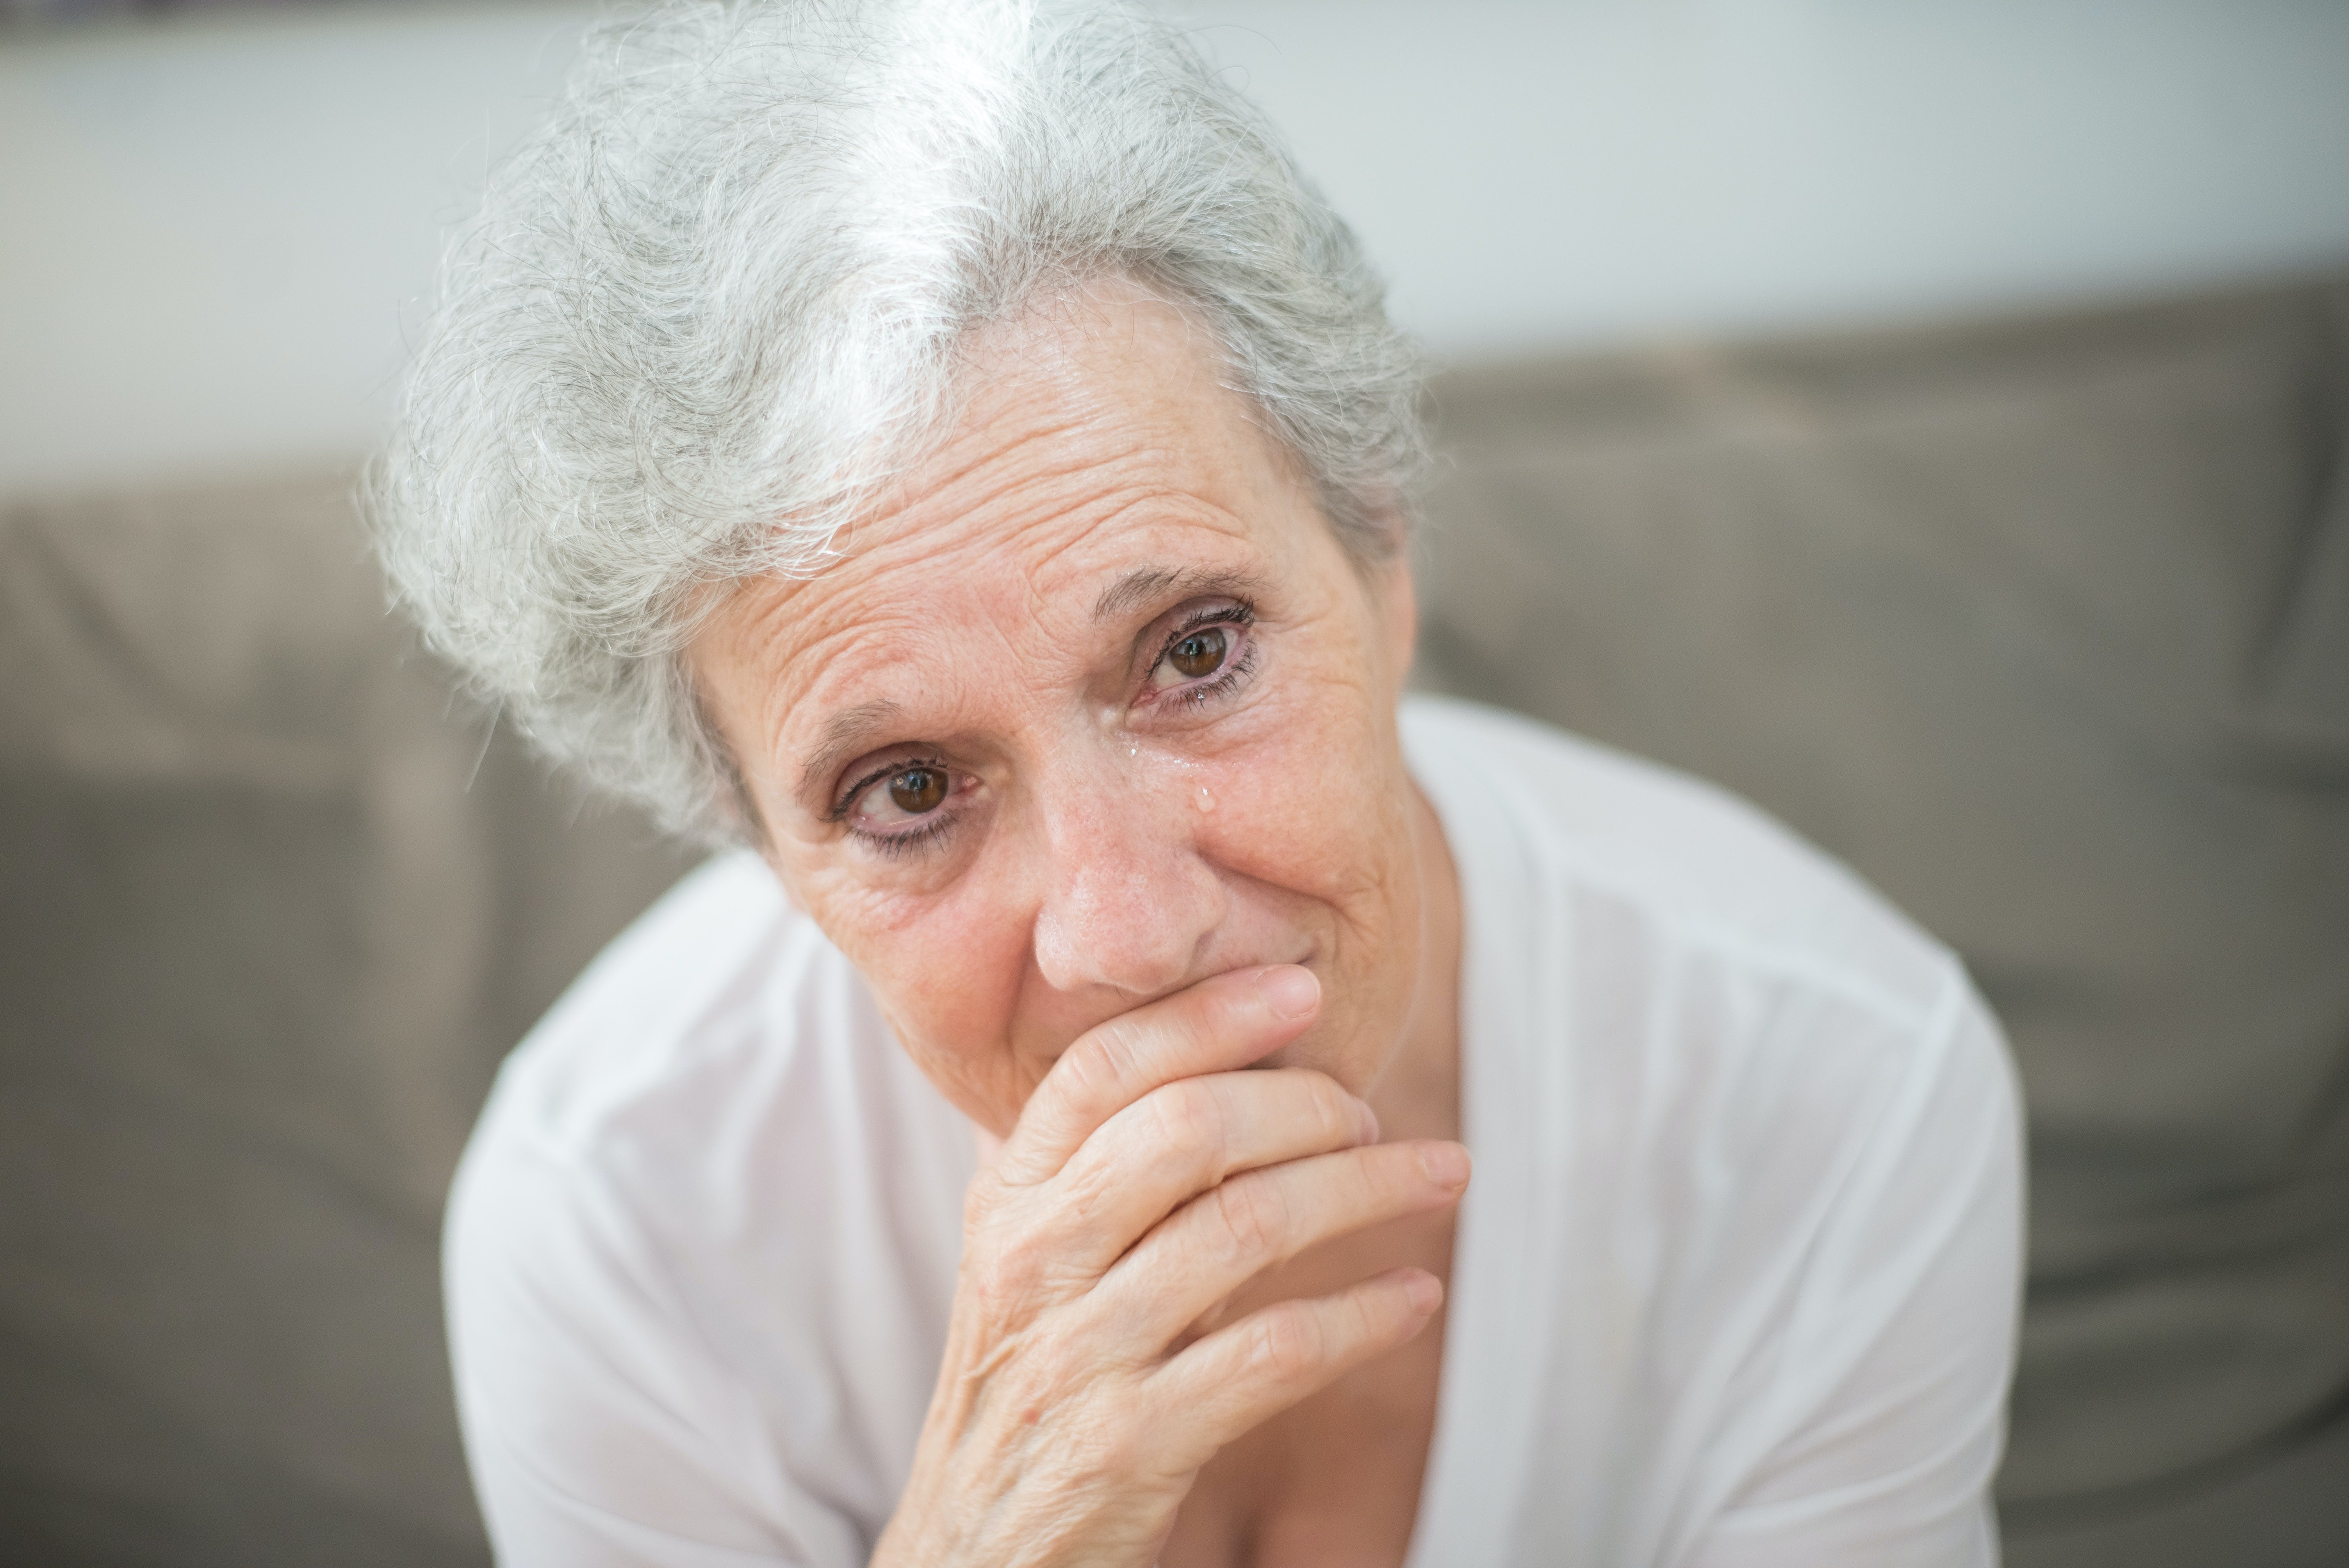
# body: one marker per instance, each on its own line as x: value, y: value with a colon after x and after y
x: 1927, y: 419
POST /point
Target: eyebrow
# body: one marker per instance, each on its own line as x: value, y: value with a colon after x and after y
x: 852, y: 729
x: 1151, y: 584
x: 845, y: 734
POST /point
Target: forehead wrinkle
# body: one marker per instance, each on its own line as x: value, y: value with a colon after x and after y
x: 845, y: 624
x: 782, y: 637
x: 886, y: 644
x: 940, y: 523
x: 793, y: 623
x: 927, y: 490
x: 937, y: 705
x: 1032, y: 542
x: 1070, y: 442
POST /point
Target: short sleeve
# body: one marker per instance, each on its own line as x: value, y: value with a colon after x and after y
x: 600, y: 1434
x: 1882, y: 1423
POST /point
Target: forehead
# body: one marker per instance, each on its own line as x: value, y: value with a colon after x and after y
x: 1095, y: 445
x: 1085, y: 424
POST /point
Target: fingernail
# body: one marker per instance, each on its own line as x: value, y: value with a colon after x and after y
x: 1288, y: 990
x: 1446, y: 1165
x: 1424, y: 1293
x: 1367, y: 1120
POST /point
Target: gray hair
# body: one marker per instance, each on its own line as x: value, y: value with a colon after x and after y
x: 708, y: 309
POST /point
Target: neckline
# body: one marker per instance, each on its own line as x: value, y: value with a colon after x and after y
x: 1486, y: 1405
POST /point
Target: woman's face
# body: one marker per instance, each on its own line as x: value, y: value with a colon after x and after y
x: 1094, y: 707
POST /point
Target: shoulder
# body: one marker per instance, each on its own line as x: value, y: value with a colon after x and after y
x: 720, y: 1052
x: 1642, y: 940
x: 709, y: 1217
x: 1761, y: 1127
x: 1692, y: 864
x: 657, y: 1031
x: 1661, y: 981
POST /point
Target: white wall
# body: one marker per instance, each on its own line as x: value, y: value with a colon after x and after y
x: 213, y: 234
x: 1580, y: 171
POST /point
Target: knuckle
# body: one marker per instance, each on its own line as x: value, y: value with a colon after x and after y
x: 1254, y: 1218
x: 1005, y: 1280
x: 1226, y: 1010
x: 1098, y: 1063
x: 1368, y: 1178
x: 1101, y: 1450
x: 1391, y: 1173
x: 1185, y: 1032
x: 1085, y: 1187
x: 1374, y: 1314
x: 1119, y: 1447
x: 1288, y: 1342
x: 982, y: 1203
x: 1331, y: 1105
x: 1190, y: 1121
x: 1114, y: 1063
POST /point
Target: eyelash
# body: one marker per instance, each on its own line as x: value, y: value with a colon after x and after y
x: 931, y: 832
x: 935, y: 830
x: 1235, y: 669
x: 932, y: 829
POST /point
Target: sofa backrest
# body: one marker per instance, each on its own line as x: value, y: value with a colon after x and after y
x: 270, y: 913
x: 2044, y: 628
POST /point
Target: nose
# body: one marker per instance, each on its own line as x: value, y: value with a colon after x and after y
x: 1128, y: 900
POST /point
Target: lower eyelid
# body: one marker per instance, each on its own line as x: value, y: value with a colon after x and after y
x: 1240, y: 664
x: 912, y: 838
x: 1241, y: 660
x: 916, y: 831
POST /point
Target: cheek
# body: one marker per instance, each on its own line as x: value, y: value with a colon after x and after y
x: 1311, y: 805
x: 945, y: 966
x: 1318, y: 806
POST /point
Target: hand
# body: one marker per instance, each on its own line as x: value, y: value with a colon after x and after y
x: 1146, y: 1181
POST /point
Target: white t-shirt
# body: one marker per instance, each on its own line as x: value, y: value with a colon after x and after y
x: 1735, y: 1282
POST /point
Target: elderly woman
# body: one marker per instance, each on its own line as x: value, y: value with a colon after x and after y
x: 947, y: 449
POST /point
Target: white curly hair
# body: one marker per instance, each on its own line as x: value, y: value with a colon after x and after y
x: 712, y: 306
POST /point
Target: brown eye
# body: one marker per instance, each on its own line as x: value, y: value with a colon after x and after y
x: 1200, y: 654
x: 917, y: 789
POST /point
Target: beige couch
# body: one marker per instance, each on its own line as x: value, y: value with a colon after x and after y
x: 2044, y: 626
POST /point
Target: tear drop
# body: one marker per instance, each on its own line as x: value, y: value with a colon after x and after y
x: 1207, y: 801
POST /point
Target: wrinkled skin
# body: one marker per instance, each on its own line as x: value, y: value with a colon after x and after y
x: 1084, y: 754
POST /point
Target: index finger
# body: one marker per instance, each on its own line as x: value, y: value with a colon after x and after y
x: 1225, y: 1022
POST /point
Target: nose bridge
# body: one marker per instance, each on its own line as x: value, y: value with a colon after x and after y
x: 1127, y: 900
